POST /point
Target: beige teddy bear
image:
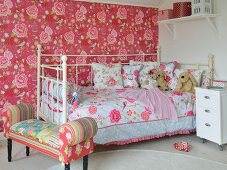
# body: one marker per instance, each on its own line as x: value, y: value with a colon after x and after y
x: 160, y: 77
x: 186, y: 83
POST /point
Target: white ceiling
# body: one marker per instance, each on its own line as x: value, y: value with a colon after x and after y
x: 144, y: 3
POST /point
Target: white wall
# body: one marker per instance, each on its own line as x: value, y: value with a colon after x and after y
x: 196, y: 39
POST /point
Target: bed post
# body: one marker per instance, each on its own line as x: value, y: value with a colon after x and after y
x: 159, y: 53
x: 38, y: 78
x: 211, y: 67
x: 64, y: 86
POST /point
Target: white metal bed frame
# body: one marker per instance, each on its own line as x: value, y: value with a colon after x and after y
x: 62, y: 75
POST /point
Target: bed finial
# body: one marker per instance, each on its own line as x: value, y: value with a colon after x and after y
x: 211, y: 67
x: 64, y: 58
x: 211, y: 58
x: 39, y: 47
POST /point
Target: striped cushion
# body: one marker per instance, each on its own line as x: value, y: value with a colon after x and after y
x: 80, y: 129
x: 20, y: 112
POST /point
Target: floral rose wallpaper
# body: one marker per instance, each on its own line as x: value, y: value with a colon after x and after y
x: 66, y: 27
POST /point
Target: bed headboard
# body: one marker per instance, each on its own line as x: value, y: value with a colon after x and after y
x: 74, y: 61
x: 138, y: 57
x: 209, y: 66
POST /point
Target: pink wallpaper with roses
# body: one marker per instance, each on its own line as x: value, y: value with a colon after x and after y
x: 66, y: 27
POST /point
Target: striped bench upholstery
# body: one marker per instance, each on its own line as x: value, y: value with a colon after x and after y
x: 66, y: 142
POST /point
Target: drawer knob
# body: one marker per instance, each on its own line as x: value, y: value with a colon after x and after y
x: 206, y: 97
x: 207, y: 124
x: 207, y: 111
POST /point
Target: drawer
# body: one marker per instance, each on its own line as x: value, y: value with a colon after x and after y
x: 208, y: 100
x: 205, y: 113
x: 208, y: 129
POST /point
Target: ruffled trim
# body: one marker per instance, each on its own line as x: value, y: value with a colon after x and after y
x: 181, y: 132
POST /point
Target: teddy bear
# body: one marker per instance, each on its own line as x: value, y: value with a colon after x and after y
x: 153, y: 74
x: 186, y: 83
x: 160, y: 77
x: 161, y: 82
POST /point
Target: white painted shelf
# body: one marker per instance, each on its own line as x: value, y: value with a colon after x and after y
x: 170, y: 23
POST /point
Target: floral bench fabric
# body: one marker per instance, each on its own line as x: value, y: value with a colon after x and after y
x: 66, y: 142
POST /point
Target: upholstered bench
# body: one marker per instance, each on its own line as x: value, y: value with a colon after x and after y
x: 67, y: 142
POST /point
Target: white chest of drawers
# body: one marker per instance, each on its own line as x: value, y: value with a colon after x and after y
x: 211, y: 115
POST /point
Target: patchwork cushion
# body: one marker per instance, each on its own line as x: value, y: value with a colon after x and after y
x: 47, y: 133
x: 31, y: 127
x: 76, y: 131
x: 50, y: 136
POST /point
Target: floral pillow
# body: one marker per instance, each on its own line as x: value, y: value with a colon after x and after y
x: 169, y: 70
x: 197, y: 74
x: 173, y: 83
x: 145, y: 79
x: 107, y: 76
x: 206, y: 79
x: 130, y: 76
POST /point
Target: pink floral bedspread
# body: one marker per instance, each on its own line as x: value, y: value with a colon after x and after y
x: 112, y: 107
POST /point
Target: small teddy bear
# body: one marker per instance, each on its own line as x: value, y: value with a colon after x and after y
x: 186, y: 83
x: 160, y: 77
x: 161, y: 82
x: 153, y: 74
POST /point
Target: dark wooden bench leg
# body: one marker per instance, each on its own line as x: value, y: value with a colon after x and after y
x: 67, y: 166
x: 9, y: 144
x: 27, y: 151
x: 85, y: 162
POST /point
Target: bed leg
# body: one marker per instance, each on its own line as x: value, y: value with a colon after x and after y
x: 27, y: 151
x: 67, y: 166
x: 9, y: 144
x: 85, y: 162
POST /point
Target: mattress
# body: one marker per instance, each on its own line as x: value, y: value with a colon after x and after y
x: 121, y: 120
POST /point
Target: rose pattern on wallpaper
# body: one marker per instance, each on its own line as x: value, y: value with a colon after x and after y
x: 67, y: 27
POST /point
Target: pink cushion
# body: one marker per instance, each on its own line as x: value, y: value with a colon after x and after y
x: 169, y: 70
